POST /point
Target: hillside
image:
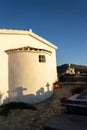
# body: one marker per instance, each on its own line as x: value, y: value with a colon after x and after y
x: 81, y: 68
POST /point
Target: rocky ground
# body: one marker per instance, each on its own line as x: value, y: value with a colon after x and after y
x: 35, y: 120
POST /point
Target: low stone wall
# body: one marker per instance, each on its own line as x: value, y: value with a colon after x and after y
x: 72, y: 78
x: 73, y: 84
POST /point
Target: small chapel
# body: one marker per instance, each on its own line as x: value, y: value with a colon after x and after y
x: 27, y: 66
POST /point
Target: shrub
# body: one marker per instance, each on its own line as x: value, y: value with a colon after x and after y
x: 6, y: 108
x: 56, y: 85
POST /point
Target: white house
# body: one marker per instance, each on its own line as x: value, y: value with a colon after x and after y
x: 70, y: 70
x: 27, y: 66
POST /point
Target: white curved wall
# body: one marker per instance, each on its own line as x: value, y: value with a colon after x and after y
x: 29, y: 80
x: 9, y: 41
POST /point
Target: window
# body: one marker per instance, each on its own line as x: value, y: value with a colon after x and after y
x: 42, y: 58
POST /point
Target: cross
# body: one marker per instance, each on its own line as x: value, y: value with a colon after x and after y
x: 47, y: 85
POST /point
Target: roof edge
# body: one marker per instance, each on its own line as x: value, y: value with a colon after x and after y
x: 27, y: 32
x: 27, y: 49
x: 43, y: 40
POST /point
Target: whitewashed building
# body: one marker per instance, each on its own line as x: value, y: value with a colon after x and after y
x: 27, y: 66
x: 70, y: 70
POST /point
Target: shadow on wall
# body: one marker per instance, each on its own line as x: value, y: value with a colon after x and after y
x: 17, y: 95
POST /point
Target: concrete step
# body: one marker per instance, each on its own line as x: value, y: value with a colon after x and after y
x: 74, y: 108
x: 67, y: 122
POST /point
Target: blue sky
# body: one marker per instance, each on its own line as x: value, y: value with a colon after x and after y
x: 62, y: 22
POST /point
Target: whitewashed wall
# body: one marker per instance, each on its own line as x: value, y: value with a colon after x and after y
x: 29, y: 79
x: 10, y: 41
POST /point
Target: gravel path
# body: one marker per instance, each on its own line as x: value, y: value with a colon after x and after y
x: 35, y: 120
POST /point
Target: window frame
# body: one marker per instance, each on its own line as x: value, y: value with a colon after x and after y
x: 42, y: 58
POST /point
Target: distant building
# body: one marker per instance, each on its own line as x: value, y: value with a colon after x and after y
x: 27, y: 66
x: 70, y: 70
x: 78, y: 72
